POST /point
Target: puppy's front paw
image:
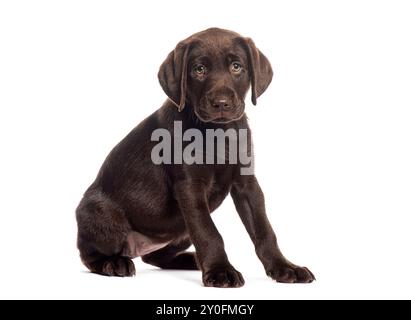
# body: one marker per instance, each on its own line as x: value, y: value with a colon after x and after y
x: 118, y: 267
x: 223, y: 277
x: 286, y: 272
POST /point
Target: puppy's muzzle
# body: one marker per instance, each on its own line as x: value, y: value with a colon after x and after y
x: 222, y: 106
x: 224, y: 100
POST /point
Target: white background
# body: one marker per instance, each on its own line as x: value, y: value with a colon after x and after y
x: 332, y: 137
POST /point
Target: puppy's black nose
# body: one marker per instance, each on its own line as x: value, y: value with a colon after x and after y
x: 220, y: 103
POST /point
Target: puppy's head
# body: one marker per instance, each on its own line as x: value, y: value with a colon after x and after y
x: 211, y: 71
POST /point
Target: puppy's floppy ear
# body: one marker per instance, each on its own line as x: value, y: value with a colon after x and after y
x: 173, y: 75
x: 259, y: 68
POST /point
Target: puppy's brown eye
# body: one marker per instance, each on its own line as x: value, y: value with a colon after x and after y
x: 236, y: 67
x: 199, y: 70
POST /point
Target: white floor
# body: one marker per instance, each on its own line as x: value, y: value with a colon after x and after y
x: 152, y: 283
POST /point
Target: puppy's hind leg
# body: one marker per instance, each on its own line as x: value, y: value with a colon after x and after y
x: 102, y: 233
x: 173, y: 257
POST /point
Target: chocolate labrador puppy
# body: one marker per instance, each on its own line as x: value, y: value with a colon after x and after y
x: 136, y: 207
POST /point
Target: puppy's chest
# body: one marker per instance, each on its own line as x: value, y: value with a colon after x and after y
x: 217, y: 192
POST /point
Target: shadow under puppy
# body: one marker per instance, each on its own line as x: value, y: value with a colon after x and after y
x: 137, y: 208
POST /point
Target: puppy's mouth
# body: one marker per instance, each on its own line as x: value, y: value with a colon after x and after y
x: 220, y: 117
x: 225, y: 120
